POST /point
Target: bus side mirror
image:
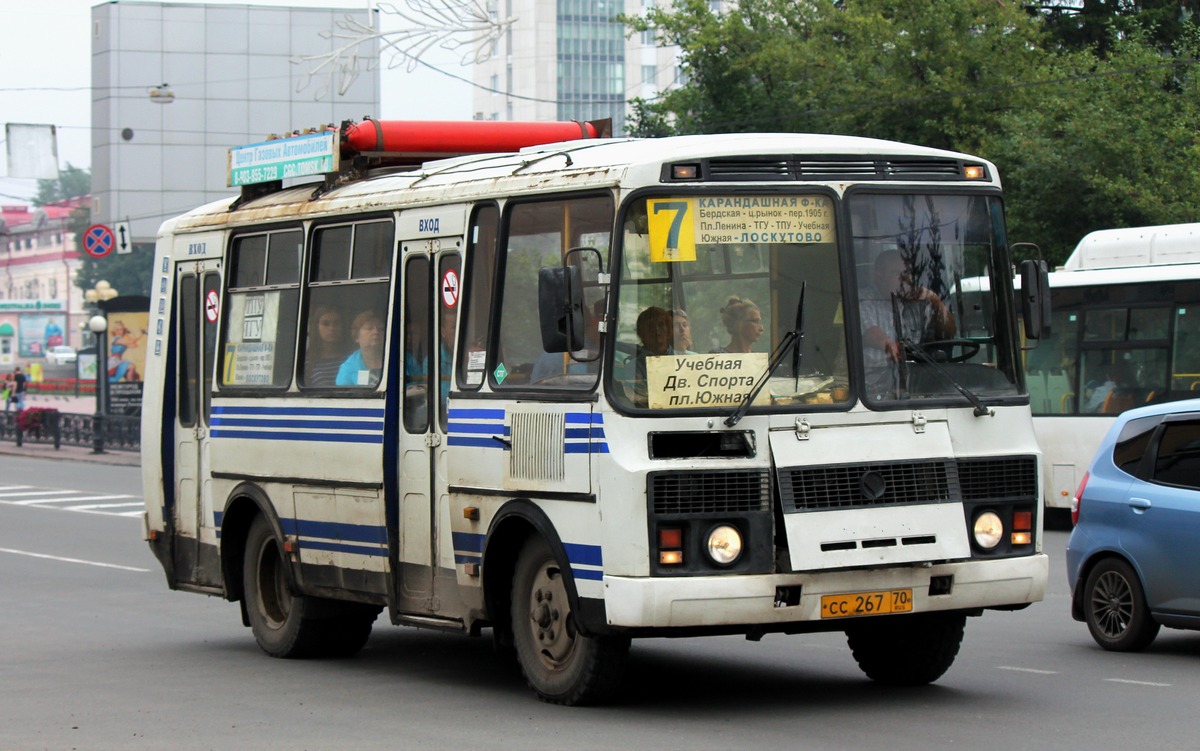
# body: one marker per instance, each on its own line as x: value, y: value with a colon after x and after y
x: 560, y: 308
x: 1035, y: 299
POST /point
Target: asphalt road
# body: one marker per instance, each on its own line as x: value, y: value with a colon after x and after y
x: 98, y: 654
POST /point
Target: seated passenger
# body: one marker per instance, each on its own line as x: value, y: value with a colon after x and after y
x: 743, y: 321
x: 326, y: 347
x: 682, y: 328
x: 364, y: 367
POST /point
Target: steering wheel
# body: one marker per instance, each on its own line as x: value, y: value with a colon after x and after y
x: 946, y: 347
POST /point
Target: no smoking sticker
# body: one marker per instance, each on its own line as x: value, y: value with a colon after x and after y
x: 210, y: 306
x: 450, y: 288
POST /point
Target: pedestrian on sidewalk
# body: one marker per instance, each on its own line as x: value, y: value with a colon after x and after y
x: 19, y: 382
x: 6, y: 394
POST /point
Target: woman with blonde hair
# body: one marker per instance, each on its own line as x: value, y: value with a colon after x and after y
x: 743, y: 321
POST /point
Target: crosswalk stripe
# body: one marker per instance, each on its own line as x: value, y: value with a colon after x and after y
x: 76, y: 499
x: 91, y: 506
x: 40, y: 492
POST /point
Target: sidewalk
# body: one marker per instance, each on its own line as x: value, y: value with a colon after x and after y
x: 80, y: 405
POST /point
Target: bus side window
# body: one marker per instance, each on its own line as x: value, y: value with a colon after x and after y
x: 346, y: 311
x: 417, y: 373
x: 539, y: 235
x: 478, y: 288
x: 258, y: 344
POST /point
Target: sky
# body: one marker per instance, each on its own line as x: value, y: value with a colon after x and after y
x: 45, y: 75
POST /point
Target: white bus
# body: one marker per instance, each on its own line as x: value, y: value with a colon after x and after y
x: 499, y: 391
x: 1125, y: 332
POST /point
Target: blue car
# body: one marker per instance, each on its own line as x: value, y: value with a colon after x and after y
x: 1133, y: 559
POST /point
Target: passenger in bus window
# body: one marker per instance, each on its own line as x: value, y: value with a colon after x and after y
x: 449, y: 317
x: 682, y: 329
x: 327, y: 347
x: 1110, y: 396
x: 743, y: 321
x: 894, y: 300
x: 655, y: 331
x: 364, y: 367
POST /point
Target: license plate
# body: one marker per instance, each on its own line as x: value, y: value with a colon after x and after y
x: 867, y: 603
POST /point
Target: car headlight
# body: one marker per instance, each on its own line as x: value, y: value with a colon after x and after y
x: 989, y: 530
x: 724, y: 544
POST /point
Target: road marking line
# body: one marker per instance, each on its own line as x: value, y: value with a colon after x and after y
x: 35, y: 501
x: 101, y: 505
x: 39, y: 492
x: 16, y: 487
x: 74, y: 560
x: 1138, y: 683
x: 1027, y: 670
x: 131, y: 514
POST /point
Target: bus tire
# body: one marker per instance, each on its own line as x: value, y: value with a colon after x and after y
x: 277, y: 615
x: 910, y: 650
x: 346, y: 635
x: 559, y: 663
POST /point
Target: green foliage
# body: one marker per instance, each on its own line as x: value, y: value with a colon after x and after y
x: 1090, y: 110
x: 128, y: 273
x: 72, y: 182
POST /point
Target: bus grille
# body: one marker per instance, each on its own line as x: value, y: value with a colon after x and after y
x: 709, y: 492
x: 864, y: 485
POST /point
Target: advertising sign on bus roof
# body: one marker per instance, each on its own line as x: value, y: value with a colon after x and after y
x: 299, y: 156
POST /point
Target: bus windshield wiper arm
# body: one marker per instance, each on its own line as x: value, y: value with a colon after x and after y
x: 920, y: 353
x: 790, y: 339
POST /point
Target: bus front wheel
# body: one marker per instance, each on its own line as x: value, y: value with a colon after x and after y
x: 561, y: 665
x: 909, y: 650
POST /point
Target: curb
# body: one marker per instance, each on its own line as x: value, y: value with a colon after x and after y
x: 72, y: 453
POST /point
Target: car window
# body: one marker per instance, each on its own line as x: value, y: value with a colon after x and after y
x: 1132, y: 442
x: 1178, y: 459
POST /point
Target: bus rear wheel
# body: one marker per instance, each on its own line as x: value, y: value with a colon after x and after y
x: 283, y: 622
x: 909, y: 650
x: 561, y: 665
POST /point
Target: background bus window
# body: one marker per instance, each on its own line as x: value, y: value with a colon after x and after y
x: 346, y: 307
x: 1051, y: 367
x: 539, y: 234
x: 478, y: 286
x: 1185, y: 369
x: 259, y: 343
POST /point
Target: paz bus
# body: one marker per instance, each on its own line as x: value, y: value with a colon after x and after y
x: 489, y: 377
x: 1125, y: 332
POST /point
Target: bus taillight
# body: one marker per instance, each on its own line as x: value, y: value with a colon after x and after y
x: 1078, y: 499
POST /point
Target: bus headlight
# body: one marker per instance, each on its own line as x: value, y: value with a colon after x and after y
x: 724, y: 544
x: 989, y: 530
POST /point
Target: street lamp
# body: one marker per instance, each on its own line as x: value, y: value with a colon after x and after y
x: 98, y: 324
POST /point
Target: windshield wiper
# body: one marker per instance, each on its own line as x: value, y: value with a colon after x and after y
x: 911, y: 346
x: 790, y: 339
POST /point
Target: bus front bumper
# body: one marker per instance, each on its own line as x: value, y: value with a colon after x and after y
x: 729, y: 601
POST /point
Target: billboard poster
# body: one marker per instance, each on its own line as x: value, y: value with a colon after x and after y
x: 37, y: 332
x: 126, y: 360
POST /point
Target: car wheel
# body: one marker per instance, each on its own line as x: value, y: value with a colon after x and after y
x: 1115, y: 608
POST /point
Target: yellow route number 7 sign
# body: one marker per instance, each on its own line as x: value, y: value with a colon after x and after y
x: 672, y: 223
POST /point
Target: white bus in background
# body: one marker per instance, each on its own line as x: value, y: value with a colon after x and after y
x: 452, y: 392
x: 1125, y: 332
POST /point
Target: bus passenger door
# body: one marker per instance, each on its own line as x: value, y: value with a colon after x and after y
x: 198, y: 288
x: 429, y: 312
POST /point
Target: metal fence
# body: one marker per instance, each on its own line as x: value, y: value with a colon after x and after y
x: 116, y: 432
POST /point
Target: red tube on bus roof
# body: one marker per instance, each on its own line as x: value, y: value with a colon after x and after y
x: 434, y: 138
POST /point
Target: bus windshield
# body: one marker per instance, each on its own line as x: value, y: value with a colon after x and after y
x: 710, y: 285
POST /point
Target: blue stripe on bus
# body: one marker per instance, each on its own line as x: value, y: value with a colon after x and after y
x: 584, y: 555
x: 335, y: 530
x: 587, y: 573
x: 265, y: 435
x: 585, y: 448
x: 583, y: 418
x: 302, y: 411
x: 476, y: 414
x: 585, y: 432
x: 469, y: 542
x: 481, y: 443
x: 315, y: 424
